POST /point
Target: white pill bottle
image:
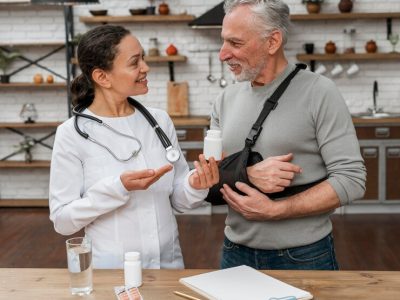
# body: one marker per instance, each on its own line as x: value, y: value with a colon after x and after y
x: 133, y: 269
x: 213, y: 144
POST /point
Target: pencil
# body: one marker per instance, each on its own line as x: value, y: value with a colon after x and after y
x: 185, y: 296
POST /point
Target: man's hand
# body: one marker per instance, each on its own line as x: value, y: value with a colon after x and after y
x: 206, y: 174
x: 254, y: 205
x: 273, y: 174
x: 141, y: 180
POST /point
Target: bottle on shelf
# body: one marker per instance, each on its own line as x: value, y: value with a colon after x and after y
x: 153, y: 47
x: 349, y: 40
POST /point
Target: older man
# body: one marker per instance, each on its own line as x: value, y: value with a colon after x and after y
x: 307, y: 137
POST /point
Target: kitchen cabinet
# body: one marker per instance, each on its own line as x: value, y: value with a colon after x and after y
x: 380, y: 148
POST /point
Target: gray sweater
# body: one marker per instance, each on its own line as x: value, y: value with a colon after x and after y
x: 312, y: 122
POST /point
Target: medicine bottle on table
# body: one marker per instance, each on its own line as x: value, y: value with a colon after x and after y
x: 213, y: 144
x: 133, y: 269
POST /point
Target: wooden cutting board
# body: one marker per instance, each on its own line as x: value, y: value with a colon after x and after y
x: 178, y: 99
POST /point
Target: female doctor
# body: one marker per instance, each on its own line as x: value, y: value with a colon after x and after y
x: 112, y: 169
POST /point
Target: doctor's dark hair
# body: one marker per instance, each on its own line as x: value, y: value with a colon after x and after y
x: 96, y: 49
x: 269, y: 15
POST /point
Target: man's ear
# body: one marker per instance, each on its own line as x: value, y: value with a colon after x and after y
x: 274, y: 42
x: 101, y: 78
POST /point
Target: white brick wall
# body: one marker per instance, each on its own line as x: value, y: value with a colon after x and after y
x: 33, y: 24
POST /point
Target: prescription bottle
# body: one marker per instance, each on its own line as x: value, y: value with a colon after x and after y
x: 213, y: 144
x: 133, y: 269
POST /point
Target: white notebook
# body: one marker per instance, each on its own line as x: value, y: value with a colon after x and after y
x: 240, y: 283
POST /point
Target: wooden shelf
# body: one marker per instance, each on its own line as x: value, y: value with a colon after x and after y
x: 29, y: 125
x: 171, y: 58
x: 11, y: 164
x: 344, y: 16
x: 33, y: 43
x: 33, y: 85
x: 155, y: 59
x: 24, y: 203
x: 137, y: 19
x: 349, y: 56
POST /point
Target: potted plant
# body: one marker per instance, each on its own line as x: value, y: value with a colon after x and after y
x: 6, y: 58
x: 313, y: 6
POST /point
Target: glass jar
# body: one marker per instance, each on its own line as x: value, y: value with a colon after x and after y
x: 28, y: 113
x: 153, y: 47
x: 349, y: 43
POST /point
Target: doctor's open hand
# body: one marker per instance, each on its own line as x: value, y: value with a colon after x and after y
x: 273, y: 174
x: 141, y: 180
x: 206, y: 174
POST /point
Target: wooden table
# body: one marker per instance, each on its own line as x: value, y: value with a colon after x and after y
x: 43, y: 284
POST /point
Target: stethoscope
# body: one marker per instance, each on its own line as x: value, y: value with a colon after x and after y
x: 172, y: 154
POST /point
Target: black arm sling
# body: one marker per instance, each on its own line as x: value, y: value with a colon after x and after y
x: 233, y: 167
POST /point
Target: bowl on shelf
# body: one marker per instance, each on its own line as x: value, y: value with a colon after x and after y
x: 137, y: 11
x: 98, y: 12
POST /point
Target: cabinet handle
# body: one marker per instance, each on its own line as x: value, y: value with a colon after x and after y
x: 393, y: 153
x: 181, y: 133
x: 370, y: 152
x: 382, y: 132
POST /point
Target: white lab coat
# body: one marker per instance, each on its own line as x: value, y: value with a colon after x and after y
x: 86, y: 191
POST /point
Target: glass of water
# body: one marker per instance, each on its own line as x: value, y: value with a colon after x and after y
x: 79, y: 254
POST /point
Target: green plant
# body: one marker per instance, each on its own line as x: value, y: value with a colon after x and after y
x: 6, y: 58
x: 311, y: 1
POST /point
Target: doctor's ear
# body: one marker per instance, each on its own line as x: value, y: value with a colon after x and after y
x: 100, y: 77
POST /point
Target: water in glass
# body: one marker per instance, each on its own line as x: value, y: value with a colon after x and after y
x: 80, y: 268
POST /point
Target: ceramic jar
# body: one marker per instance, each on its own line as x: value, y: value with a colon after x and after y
x: 171, y: 50
x: 313, y: 7
x: 163, y: 9
x: 330, y: 47
x: 371, y: 46
x: 345, y: 6
x: 38, y: 78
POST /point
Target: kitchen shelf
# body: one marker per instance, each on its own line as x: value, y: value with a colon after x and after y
x: 170, y: 58
x: 155, y: 59
x: 348, y: 56
x: 24, y: 203
x: 137, y: 19
x: 344, y: 16
x: 11, y: 164
x: 29, y: 125
x: 33, y: 43
x: 33, y: 85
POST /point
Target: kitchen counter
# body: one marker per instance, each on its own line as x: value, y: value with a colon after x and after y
x: 205, y: 121
x: 379, y: 121
x: 191, y: 121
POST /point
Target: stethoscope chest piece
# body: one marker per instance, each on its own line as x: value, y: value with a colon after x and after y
x: 172, y: 154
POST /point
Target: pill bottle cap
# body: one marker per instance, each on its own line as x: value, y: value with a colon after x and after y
x: 214, y: 133
x: 132, y: 256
